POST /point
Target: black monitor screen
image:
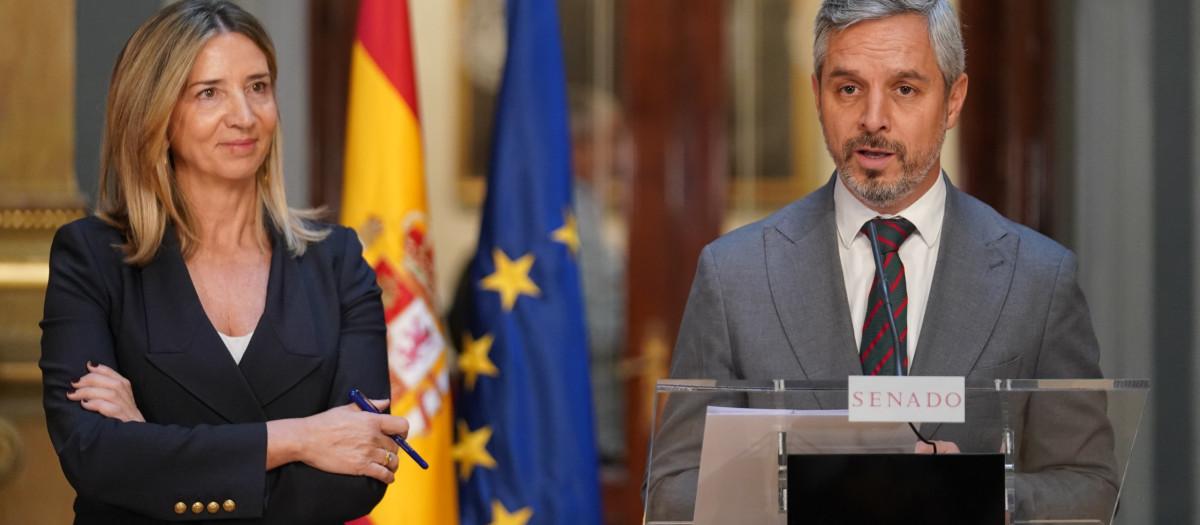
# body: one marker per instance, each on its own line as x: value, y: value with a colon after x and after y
x: 895, y: 489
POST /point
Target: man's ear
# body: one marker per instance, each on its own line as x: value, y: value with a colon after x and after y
x: 958, y: 94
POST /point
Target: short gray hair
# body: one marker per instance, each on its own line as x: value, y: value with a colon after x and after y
x: 944, y: 33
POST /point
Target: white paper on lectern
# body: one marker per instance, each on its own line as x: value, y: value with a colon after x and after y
x: 739, y: 461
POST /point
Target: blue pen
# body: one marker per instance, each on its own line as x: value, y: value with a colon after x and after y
x: 368, y: 406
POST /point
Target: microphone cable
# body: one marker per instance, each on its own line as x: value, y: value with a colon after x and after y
x: 873, y: 235
x: 922, y: 438
x: 887, y: 297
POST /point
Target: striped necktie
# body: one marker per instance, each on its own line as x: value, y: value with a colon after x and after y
x: 878, y: 347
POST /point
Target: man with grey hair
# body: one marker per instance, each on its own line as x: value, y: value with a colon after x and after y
x: 974, y: 294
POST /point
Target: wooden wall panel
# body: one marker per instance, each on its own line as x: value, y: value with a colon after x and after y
x: 1007, y: 120
x: 676, y: 102
x: 331, y: 36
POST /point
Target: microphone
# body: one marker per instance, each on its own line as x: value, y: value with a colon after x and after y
x: 887, y: 298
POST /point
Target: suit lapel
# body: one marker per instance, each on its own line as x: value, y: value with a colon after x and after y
x: 805, y: 279
x: 970, y: 284
x: 182, y: 342
x: 283, y: 349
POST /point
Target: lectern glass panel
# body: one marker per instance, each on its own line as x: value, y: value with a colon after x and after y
x: 719, y: 450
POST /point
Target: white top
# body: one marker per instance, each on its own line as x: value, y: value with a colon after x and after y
x: 918, y: 253
x: 237, y: 345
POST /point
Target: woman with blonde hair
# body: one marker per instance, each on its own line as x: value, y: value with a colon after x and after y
x: 201, y: 338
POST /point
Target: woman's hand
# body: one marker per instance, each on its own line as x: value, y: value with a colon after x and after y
x: 105, y: 391
x: 341, y: 440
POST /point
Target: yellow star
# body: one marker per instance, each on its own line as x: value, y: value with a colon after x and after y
x: 568, y: 234
x: 471, y: 449
x: 500, y: 515
x: 474, y: 359
x: 511, y: 278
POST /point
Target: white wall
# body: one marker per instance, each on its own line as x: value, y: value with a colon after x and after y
x: 437, y: 39
x: 1114, y: 214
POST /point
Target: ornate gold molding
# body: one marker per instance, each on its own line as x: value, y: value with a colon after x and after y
x: 24, y: 274
x: 38, y: 219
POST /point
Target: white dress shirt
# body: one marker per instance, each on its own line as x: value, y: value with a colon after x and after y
x: 237, y: 345
x: 918, y: 253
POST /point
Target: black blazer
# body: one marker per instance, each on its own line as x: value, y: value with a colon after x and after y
x: 321, y: 334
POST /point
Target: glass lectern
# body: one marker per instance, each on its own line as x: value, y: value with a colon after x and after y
x: 719, y: 450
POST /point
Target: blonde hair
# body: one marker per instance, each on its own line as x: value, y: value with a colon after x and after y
x: 138, y: 191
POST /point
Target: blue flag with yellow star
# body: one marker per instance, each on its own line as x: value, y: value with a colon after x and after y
x: 525, y: 443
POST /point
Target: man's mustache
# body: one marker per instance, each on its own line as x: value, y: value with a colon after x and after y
x: 872, y: 141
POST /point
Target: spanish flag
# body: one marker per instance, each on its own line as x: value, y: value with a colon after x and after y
x: 384, y: 200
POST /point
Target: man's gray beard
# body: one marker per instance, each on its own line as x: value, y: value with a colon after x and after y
x: 873, y: 190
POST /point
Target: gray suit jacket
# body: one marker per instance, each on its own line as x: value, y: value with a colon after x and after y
x: 768, y: 302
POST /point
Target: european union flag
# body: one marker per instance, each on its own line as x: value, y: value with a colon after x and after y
x: 525, y: 442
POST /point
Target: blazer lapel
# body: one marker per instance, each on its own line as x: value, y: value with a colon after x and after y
x: 183, y: 344
x: 805, y: 279
x: 970, y: 284
x: 283, y: 349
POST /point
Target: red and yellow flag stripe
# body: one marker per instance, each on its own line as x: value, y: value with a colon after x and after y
x: 384, y: 199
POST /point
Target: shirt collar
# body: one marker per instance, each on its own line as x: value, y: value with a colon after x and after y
x: 926, y: 213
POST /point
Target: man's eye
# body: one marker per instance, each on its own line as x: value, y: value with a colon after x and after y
x: 848, y: 90
x: 907, y: 90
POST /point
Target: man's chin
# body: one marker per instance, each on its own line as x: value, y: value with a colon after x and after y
x: 880, y: 202
x: 876, y: 189
x: 872, y: 174
x: 873, y: 180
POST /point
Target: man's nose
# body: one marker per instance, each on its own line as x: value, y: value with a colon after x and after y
x: 876, y: 113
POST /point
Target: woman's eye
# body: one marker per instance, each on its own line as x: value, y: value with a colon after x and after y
x: 208, y: 93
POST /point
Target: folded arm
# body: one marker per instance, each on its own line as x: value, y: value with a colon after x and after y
x: 110, y: 455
